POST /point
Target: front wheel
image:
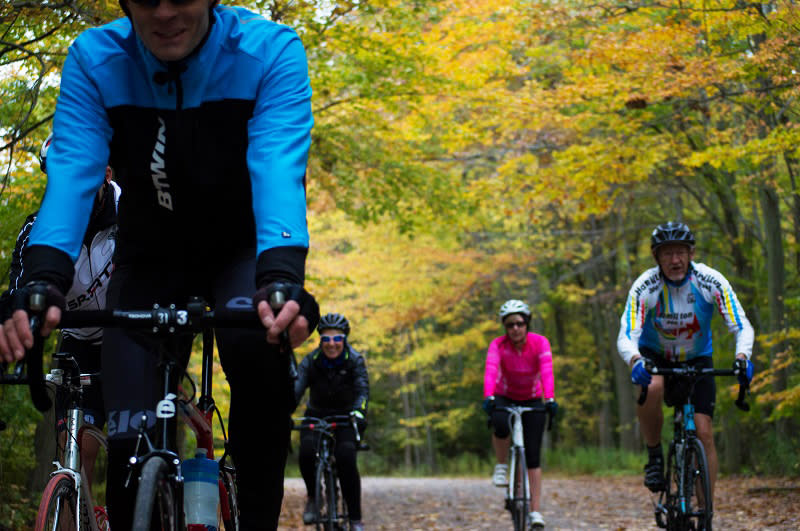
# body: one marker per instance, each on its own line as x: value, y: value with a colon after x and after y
x: 520, y: 497
x: 668, y: 510
x: 156, y: 502
x: 321, y: 508
x: 59, y: 506
x: 698, y: 488
x: 228, y: 506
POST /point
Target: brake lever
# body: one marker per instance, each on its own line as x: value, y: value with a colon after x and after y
x: 277, y: 299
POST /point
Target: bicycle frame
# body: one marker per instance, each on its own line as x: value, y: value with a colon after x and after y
x: 75, y: 431
x: 199, y: 416
x: 517, y: 447
x: 167, y: 322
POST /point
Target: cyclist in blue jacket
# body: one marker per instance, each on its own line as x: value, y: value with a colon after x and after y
x: 204, y: 112
x: 667, y: 320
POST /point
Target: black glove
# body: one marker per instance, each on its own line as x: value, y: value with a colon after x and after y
x: 745, y: 368
x: 488, y: 405
x: 551, y: 407
x: 5, y: 306
x: 50, y: 296
x: 291, y: 292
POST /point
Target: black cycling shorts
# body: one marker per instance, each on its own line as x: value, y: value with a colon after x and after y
x: 676, y: 389
x: 532, y: 426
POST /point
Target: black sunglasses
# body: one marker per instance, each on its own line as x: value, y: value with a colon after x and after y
x: 156, y: 3
x: 514, y: 324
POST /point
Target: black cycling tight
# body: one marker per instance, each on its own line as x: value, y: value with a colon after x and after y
x: 532, y: 426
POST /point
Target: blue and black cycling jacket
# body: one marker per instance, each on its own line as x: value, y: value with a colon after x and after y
x: 211, y: 151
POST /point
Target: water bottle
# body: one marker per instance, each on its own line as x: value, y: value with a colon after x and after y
x: 200, y: 492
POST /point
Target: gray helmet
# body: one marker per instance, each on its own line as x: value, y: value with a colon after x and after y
x: 335, y: 321
x: 671, y: 232
x: 43, y: 152
x: 515, y: 306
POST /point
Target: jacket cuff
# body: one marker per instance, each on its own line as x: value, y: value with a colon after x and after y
x: 49, y: 264
x: 281, y: 263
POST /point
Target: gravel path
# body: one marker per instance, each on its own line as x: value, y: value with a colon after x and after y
x: 568, y: 503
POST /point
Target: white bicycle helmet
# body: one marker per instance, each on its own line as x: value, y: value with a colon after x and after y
x: 514, y: 306
x: 43, y: 152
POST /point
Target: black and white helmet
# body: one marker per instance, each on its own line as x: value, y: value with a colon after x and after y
x: 514, y: 306
x: 43, y: 152
x: 334, y: 321
x: 671, y: 232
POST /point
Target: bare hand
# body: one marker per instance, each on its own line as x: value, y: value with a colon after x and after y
x: 16, y: 336
x: 289, y: 316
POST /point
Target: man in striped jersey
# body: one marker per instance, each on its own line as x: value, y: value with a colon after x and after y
x: 667, y: 319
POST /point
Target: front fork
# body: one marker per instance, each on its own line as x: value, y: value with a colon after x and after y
x: 517, y: 441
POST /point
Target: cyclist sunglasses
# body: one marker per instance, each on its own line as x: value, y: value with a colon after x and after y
x: 156, y: 3
x: 515, y: 324
x: 335, y: 339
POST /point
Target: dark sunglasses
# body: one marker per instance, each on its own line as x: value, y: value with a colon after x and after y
x: 156, y: 3
x: 335, y: 339
x: 514, y: 324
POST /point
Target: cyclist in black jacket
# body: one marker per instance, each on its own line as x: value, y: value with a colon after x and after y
x: 337, y: 378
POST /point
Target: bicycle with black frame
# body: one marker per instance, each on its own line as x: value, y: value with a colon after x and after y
x: 518, y: 492
x: 157, y: 463
x: 330, y: 510
x: 686, y: 502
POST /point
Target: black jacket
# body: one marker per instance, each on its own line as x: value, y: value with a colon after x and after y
x: 339, y: 389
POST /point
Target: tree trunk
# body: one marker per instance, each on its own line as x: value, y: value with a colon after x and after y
x: 407, y: 415
x: 773, y: 242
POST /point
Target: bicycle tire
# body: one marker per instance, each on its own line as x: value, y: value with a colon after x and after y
x: 521, y: 499
x: 320, y: 501
x: 341, y: 505
x: 668, y: 516
x: 698, y: 485
x: 331, y: 520
x: 59, y: 505
x: 336, y: 520
x: 229, y: 505
x: 155, y: 499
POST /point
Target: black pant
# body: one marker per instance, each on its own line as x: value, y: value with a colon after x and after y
x: 532, y: 426
x: 257, y: 374
x: 346, y: 466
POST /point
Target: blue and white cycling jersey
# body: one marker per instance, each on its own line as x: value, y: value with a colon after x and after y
x: 674, y: 319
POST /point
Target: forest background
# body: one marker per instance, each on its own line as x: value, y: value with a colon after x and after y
x: 470, y: 151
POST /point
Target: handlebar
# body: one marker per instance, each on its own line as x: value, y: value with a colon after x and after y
x: 326, y: 424
x: 514, y: 410
x: 695, y: 373
x: 159, y: 320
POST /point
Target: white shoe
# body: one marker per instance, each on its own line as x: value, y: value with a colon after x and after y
x: 500, y: 477
x: 535, y: 520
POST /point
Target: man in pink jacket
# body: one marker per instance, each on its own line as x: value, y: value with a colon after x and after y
x: 519, y: 371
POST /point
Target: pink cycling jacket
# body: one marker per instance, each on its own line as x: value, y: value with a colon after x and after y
x: 519, y: 375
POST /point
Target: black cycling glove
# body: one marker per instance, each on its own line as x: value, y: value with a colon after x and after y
x: 5, y: 306
x: 52, y: 296
x: 291, y: 292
